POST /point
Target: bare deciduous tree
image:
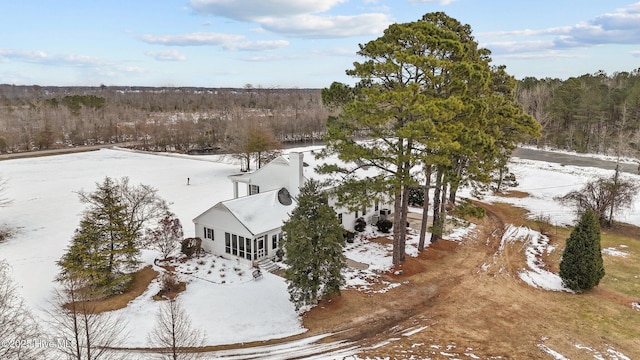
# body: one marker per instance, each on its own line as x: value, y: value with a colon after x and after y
x: 166, y: 236
x: 19, y: 332
x: 85, y: 334
x: 604, y: 196
x: 250, y: 140
x: 174, y: 333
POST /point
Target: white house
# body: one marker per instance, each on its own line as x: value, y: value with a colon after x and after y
x: 248, y: 228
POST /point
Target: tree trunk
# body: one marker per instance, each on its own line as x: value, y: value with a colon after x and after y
x: 500, y: 178
x: 443, y: 209
x: 425, y: 208
x: 87, y: 332
x: 397, y: 230
x: 74, y: 314
x: 436, y: 206
x: 453, y: 191
x: 405, y: 211
x: 405, y: 201
x: 614, y: 194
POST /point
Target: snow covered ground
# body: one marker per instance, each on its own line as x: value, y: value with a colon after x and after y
x: 544, y: 181
x: 46, y: 211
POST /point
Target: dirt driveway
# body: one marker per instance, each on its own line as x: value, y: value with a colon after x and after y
x: 463, y: 301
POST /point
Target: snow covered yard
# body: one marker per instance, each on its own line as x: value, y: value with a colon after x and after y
x: 222, y: 297
x: 46, y: 211
x: 544, y: 181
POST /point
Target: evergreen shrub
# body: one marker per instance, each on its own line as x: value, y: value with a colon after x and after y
x: 384, y: 225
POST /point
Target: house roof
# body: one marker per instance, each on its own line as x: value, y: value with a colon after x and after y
x: 311, y: 163
x: 261, y: 212
x: 246, y: 177
x: 309, y: 168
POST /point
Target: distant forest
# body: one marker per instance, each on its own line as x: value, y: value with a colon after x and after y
x: 597, y: 113
x: 161, y: 119
x: 594, y: 113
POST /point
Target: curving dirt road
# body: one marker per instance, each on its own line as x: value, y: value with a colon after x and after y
x: 455, y: 300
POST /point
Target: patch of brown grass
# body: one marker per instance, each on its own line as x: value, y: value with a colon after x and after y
x: 381, y: 240
x: 170, y: 287
x: 513, y: 194
x: 142, y: 279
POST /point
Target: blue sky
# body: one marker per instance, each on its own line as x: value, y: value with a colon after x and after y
x: 291, y: 43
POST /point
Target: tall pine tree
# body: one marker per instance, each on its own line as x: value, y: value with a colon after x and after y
x: 581, y: 267
x: 429, y: 97
x: 313, y: 246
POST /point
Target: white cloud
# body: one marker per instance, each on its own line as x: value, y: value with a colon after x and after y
x: 227, y: 41
x: 618, y: 27
x: 41, y: 57
x: 311, y: 26
x: 529, y: 32
x: 296, y: 18
x: 166, y: 55
x: 252, y: 10
x: 93, y: 69
x: 257, y: 45
x: 518, y: 46
x: 193, y: 39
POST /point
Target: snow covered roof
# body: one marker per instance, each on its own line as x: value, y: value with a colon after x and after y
x: 247, y: 176
x: 261, y: 212
x: 311, y: 163
x: 281, y: 166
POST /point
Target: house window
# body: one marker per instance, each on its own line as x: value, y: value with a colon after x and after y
x: 234, y: 245
x: 208, y: 233
x: 274, y: 242
x: 340, y: 218
x: 237, y: 245
x: 248, y: 249
x: 241, y: 246
x: 254, y: 189
x: 364, y: 211
x: 227, y: 243
x: 357, y: 215
x: 377, y: 206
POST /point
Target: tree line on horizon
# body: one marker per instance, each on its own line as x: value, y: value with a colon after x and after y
x: 156, y: 119
x: 598, y: 113
x: 592, y: 113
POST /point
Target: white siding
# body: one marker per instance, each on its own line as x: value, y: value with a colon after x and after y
x: 349, y: 217
x: 221, y: 221
x: 272, y: 177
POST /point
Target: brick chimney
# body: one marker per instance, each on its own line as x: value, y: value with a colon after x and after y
x: 296, y: 175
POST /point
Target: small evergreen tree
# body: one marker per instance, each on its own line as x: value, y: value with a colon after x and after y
x: 102, y: 251
x: 416, y: 196
x: 313, y: 246
x: 581, y: 267
x: 105, y: 247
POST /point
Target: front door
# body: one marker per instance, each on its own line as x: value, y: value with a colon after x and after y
x: 261, y: 247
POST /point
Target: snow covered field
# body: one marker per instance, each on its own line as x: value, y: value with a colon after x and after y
x: 46, y: 211
x: 544, y: 181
